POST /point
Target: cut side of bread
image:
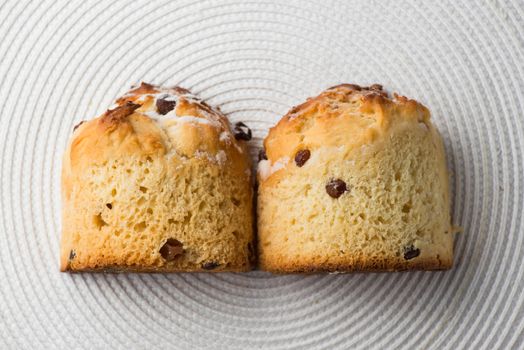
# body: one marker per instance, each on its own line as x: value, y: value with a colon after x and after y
x: 354, y: 181
x: 159, y: 183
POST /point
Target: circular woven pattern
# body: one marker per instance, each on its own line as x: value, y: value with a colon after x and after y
x: 64, y: 61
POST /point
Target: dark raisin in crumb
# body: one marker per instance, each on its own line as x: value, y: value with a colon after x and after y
x: 77, y: 125
x: 164, y: 106
x: 171, y: 249
x: 242, y: 132
x: 72, y: 254
x: 302, y: 157
x: 262, y: 155
x: 411, y: 252
x: 109, y: 206
x: 336, y: 187
x: 210, y: 265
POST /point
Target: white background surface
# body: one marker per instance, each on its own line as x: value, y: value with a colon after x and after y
x: 64, y: 61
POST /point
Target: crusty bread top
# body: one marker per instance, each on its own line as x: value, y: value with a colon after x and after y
x: 343, y: 115
x: 135, y: 127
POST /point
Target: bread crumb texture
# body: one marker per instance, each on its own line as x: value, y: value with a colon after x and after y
x: 354, y: 181
x: 157, y: 183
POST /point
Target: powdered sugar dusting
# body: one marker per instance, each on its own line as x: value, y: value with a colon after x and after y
x: 266, y: 169
x: 193, y: 120
x: 225, y: 137
x: 153, y: 114
x: 169, y: 97
x: 220, y: 158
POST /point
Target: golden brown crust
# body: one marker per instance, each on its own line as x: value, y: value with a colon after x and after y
x: 141, y: 269
x: 340, y: 113
x: 391, y: 160
x: 119, y: 114
x: 354, y: 265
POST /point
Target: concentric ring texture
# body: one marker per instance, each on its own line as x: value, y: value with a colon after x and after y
x: 65, y: 61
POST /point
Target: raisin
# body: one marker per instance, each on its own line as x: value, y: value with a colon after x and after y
x: 242, y: 132
x: 210, y: 265
x: 336, y: 188
x: 262, y: 155
x: 411, y: 252
x: 171, y: 249
x: 164, y: 106
x: 302, y: 156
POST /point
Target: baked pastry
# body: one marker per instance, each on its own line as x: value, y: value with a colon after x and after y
x: 354, y: 180
x: 161, y: 182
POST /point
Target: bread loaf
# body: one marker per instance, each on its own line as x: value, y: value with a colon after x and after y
x: 160, y: 182
x: 354, y: 180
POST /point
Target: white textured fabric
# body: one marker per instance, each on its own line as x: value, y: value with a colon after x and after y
x: 64, y: 61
